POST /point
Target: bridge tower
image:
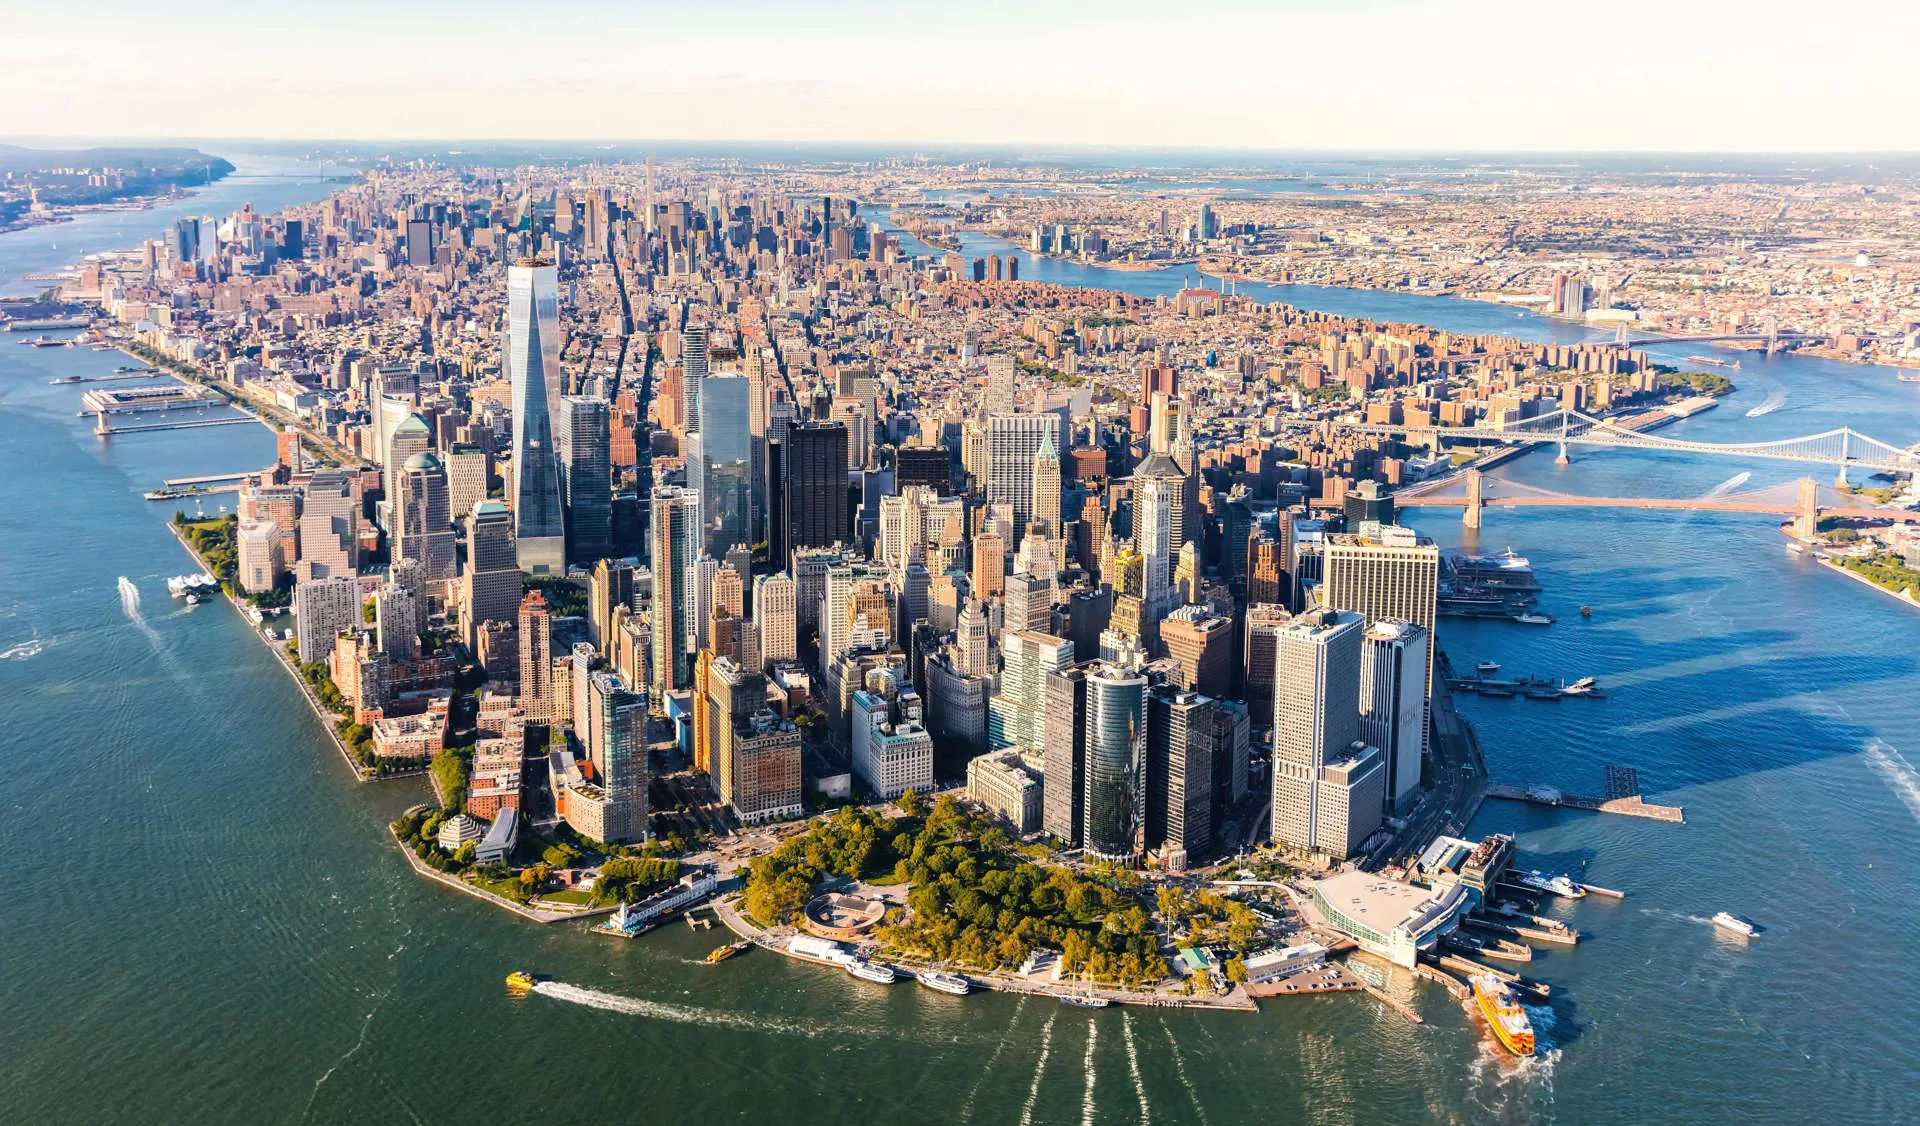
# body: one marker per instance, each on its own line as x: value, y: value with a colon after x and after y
x: 1807, y: 523
x: 1773, y: 334
x: 1620, y: 334
x: 1563, y: 459
x: 1471, y: 517
x: 1840, y: 482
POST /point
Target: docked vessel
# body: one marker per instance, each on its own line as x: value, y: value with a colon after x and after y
x: 1735, y: 924
x: 946, y: 983
x: 1552, y: 884
x: 722, y: 953
x: 1505, y: 571
x: 877, y: 972
x: 65, y: 379
x: 1487, y: 668
x: 1504, y: 1014
x: 1084, y: 1001
x: 520, y: 981
x: 1534, y: 618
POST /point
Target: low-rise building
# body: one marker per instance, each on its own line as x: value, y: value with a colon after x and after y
x: 1389, y: 918
x: 1006, y: 785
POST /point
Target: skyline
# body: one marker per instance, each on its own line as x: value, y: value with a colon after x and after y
x: 1363, y: 78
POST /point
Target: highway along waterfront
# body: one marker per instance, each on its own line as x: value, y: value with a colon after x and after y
x: 210, y: 924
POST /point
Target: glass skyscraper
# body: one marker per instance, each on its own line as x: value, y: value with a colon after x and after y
x: 726, y: 464
x: 585, y: 435
x: 1116, y: 739
x: 533, y: 366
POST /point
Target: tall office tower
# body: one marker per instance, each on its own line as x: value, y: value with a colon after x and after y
x: 1181, y: 738
x: 1319, y: 765
x: 585, y: 436
x: 466, y: 478
x: 817, y: 513
x: 618, y: 751
x: 1206, y: 226
x: 1028, y: 604
x: 989, y: 563
x: 1393, y: 704
x: 776, y: 613
x: 1156, y: 483
x: 533, y: 367
x: 1232, y: 741
x: 1001, y: 395
x: 1396, y: 576
x: 890, y: 750
x: 1186, y: 574
x: 410, y: 435
x: 419, y: 242
x: 261, y: 559
x: 423, y: 529
x: 1064, y: 758
x: 694, y: 357
x: 1116, y: 722
x: 725, y: 466
x: 1045, y: 489
x: 1201, y: 645
x: 699, y: 601
x: 323, y: 607
x: 1267, y: 579
x: 1365, y: 503
x: 1015, y: 716
x: 329, y: 527
x: 609, y: 587
x: 726, y: 606
x: 928, y: 467
x: 491, y: 588
x: 972, y: 655
x: 671, y: 548
x: 397, y: 615
x: 1262, y: 660
x: 537, y: 690
x: 1014, y: 441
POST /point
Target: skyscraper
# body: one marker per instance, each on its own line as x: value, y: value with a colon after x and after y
x: 1393, y: 702
x: 671, y: 552
x: 491, y: 588
x: 1116, y: 742
x: 537, y: 691
x: 1064, y: 758
x: 585, y: 435
x: 1319, y: 765
x: 1016, y: 714
x: 423, y: 531
x: 1156, y: 486
x: 1394, y: 576
x: 1014, y: 442
x: 1046, y: 487
x: 618, y: 751
x: 693, y: 373
x: 533, y: 367
x: 725, y: 464
x: 776, y: 613
x: 329, y: 527
x: 817, y: 514
x: 609, y: 588
x: 1181, y: 733
x: 323, y: 607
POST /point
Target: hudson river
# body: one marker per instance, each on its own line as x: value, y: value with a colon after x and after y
x: 204, y: 920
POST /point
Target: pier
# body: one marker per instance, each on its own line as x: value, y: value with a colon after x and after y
x: 103, y: 429
x: 1626, y: 806
x: 207, y: 478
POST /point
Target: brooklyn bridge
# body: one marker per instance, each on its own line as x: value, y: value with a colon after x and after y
x: 1805, y: 500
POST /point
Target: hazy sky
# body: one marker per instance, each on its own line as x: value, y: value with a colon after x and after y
x: 1279, y: 74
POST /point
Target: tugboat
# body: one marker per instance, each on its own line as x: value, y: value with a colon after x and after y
x: 877, y: 972
x: 520, y: 983
x: 1735, y: 924
x: 1504, y: 1014
x: 722, y: 953
x: 946, y: 983
x: 1586, y: 611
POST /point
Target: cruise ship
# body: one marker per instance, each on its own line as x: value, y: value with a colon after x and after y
x: 1504, y: 1014
x: 1556, y: 885
x: 1506, y: 571
x: 946, y: 983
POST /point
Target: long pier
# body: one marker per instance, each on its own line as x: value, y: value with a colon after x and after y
x: 104, y: 430
x: 208, y: 478
x: 1630, y: 806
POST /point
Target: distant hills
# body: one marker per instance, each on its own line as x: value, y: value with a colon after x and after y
x: 162, y: 164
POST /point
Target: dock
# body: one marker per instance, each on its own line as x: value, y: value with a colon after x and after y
x: 103, y: 429
x: 1563, y: 937
x: 1609, y: 893
x: 1632, y: 806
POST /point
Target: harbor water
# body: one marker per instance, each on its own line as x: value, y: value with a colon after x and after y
x: 205, y: 920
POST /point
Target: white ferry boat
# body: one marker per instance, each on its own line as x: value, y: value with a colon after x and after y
x: 180, y: 586
x: 1533, y: 618
x: 877, y: 972
x: 1728, y: 921
x: 1556, y: 885
x: 946, y: 983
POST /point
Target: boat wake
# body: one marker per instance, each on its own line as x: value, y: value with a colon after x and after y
x: 1086, y: 1099
x: 1039, y: 1070
x: 1679, y: 916
x: 130, y: 605
x: 1507, y: 1087
x: 32, y: 647
x: 1133, y: 1068
x: 1727, y: 486
x: 634, y: 1006
x: 1899, y: 773
x: 1774, y: 401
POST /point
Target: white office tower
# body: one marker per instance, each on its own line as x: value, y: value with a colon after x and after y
x: 1155, y: 484
x: 1016, y: 715
x: 1323, y: 776
x: 533, y: 367
x: 775, y: 611
x: 694, y: 352
x: 970, y: 649
x: 700, y: 574
x: 1392, y: 575
x: 1013, y: 442
x: 1393, y: 701
x: 672, y: 541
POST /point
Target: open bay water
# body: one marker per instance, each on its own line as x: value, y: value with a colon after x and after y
x: 204, y: 919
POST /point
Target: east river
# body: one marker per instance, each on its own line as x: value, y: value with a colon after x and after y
x: 203, y: 920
